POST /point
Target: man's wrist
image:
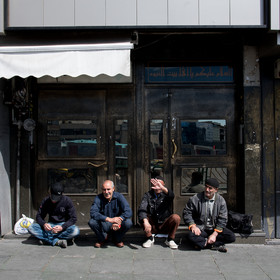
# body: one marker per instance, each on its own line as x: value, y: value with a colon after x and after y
x: 215, y: 233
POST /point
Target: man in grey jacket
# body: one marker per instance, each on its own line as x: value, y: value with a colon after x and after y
x: 206, y: 216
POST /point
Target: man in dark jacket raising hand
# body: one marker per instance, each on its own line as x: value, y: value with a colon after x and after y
x: 155, y: 215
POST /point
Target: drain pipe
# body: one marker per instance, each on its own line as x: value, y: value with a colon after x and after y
x: 19, y: 124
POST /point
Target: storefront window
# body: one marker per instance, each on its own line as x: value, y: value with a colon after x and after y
x: 193, y: 179
x: 203, y: 137
x: 121, y: 155
x: 71, y: 138
x: 156, y: 147
x: 75, y: 180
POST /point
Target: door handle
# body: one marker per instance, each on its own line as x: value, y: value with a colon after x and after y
x: 97, y: 165
x: 175, y: 148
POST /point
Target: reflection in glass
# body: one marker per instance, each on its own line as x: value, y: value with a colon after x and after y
x: 71, y: 138
x: 156, y: 147
x: 121, y: 156
x: 193, y: 179
x: 75, y: 180
x: 203, y: 137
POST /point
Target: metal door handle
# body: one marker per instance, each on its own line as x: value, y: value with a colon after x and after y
x: 175, y: 148
x: 97, y: 165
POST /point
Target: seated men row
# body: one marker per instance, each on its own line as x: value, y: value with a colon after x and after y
x: 205, y: 214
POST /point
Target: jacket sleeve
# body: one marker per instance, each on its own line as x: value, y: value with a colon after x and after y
x: 222, y: 217
x: 143, y: 208
x: 188, y: 213
x: 95, y: 210
x: 71, y: 213
x: 42, y: 213
x: 170, y: 194
x: 126, y: 211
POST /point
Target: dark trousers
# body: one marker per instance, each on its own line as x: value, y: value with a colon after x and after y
x: 169, y: 226
x: 101, y: 229
x: 227, y: 236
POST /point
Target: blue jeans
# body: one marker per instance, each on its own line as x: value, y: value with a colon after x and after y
x: 50, y: 237
x: 101, y: 229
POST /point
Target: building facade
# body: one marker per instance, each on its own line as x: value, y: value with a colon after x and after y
x: 125, y: 89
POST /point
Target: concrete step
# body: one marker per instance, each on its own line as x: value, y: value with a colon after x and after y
x: 136, y: 233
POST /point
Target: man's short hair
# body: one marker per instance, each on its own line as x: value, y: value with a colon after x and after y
x: 112, y: 183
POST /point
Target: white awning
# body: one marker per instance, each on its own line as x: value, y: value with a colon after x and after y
x: 71, y: 60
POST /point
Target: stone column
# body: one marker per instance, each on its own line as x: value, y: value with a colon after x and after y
x: 252, y: 135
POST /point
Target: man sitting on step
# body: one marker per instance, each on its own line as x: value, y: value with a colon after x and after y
x: 155, y: 215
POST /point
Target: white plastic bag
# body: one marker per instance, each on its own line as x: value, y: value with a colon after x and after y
x: 22, y: 225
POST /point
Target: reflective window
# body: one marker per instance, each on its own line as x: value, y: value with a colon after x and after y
x: 156, y: 147
x: 121, y: 156
x: 193, y: 179
x: 73, y: 138
x: 75, y: 180
x: 203, y: 137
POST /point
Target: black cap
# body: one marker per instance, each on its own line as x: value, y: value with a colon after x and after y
x: 56, y: 191
x: 212, y: 182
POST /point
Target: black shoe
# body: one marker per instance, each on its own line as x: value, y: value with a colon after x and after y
x: 221, y: 248
x: 42, y: 242
x: 61, y: 243
x: 70, y: 242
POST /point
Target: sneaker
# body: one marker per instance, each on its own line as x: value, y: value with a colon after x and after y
x: 171, y: 244
x: 149, y: 243
x: 62, y: 243
x: 221, y: 248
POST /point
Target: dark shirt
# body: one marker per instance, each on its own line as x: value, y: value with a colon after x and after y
x: 157, y: 207
x: 62, y: 211
x: 102, y: 208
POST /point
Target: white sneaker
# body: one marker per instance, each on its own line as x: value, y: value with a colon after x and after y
x: 171, y: 244
x: 148, y: 243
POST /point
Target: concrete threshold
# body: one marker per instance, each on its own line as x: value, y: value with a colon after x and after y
x: 136, y: 233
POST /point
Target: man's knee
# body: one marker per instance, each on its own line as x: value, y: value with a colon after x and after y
x: 127, y: 224
x: 73, y: 230
x: 231, y: 238
x: 176, y: 218
x: 93, y: 224
x: 34, y: 228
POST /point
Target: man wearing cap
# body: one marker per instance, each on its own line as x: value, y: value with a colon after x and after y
x: 155, y: 215
x: 206, y: 216
x: 110, y: 213
x: 62, y: 218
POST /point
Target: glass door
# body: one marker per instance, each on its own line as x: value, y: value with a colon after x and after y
x: 192, y: 136
x: 84, y: 138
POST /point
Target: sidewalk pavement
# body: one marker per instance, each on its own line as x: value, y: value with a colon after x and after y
x: 22, y: 258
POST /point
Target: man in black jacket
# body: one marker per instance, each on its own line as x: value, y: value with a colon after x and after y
x: 155, y: 215
x: 62, y: 219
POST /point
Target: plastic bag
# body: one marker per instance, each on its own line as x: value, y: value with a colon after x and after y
x: 22, y: 225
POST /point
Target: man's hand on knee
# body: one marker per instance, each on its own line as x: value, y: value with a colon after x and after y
x: 195, y: 230
x: 147, y: 226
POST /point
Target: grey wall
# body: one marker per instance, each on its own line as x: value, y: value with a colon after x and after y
x: 49, y: 13
x: 1, y: 16
x: 5, y: 189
